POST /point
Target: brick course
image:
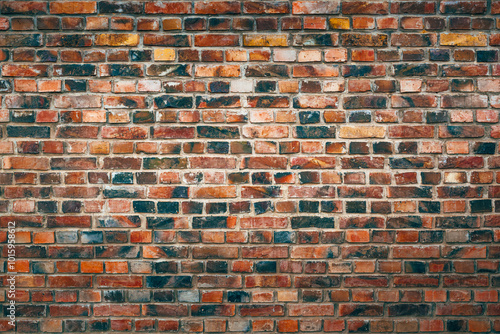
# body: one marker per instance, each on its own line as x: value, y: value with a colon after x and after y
x: 251, y: 166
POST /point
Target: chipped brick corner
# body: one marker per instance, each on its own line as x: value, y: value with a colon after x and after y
x: 251, y: 166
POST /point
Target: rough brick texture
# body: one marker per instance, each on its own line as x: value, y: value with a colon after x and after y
x: 254, y: 166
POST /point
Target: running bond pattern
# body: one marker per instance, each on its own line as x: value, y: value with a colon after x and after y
x: 254, y: 166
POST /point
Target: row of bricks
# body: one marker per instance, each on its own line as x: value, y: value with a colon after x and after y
x: 324, y: 101
x: 254, y: 192
x: 259, y: 116
x: 272, y: 132
x: 257, y: 178
x: 255, y: 162
x: 346, y: 39
x: 28, y: 206
x: 268, y: 267
x: 242, y: 86
x: 267, y: 70
x: 297, y: 222
x: 237, y: 55
x: 249, y: 86
x: 263, y: 325
x: 282, y: 131
x: 259, y: 147
x: 307, y: 177
x: 308, y: 296
x: 285, y: 266
x: 122, y: 206
x: 361, y: 207
x: 258, y: 281
x: 408, y: 281
x: 274, y: 310
x: 261, y: 252
x: 127, y: 23
x: 263, y: 237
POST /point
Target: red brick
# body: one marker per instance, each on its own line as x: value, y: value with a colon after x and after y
x: 73, y: 7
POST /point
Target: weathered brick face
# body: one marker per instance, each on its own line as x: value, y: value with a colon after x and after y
x: 251, y: 166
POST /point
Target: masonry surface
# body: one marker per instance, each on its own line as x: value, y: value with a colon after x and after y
x: 267, y: 166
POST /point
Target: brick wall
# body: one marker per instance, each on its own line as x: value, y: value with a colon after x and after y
x: 267, y: 166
